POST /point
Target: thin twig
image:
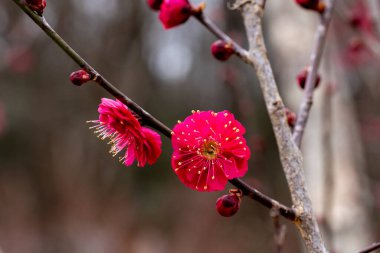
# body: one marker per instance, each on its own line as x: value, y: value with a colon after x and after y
x: 214, y: 29
x: 371, y: 248
x: 251, y: 192
x: 315, y: 60
x: 146, y: 117
x: 280, y: 230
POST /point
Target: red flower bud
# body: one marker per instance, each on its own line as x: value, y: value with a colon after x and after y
x: 80, y: 77
x: 355, y: 20
x: 175, y: 12
x: 36, y: 5
x: 291, y: 117
x: 154, y: 4
x: 222, y: 50
x: 228, y: 205
x: 315, y: 5
x: 301, y: 79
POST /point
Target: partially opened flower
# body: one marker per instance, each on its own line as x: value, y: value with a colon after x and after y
x: 209, y: 149
x: 119, y: 124
x: 175, y: 12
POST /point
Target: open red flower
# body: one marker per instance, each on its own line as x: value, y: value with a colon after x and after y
x: 118, y: 123
x: 209, y: 149
x: 175, y: 12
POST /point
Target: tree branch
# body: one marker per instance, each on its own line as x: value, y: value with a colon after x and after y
x: 214, y: 29
x: 147, y: 118
x: 100, y: 80
x: 371, y: 248
x: 251, y: 192
x: 290, y: 155
x: 315, y: 60
x: 280, y: 230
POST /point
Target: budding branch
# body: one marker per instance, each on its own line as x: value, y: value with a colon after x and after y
x: 147, y: 118
x: 315, y: 61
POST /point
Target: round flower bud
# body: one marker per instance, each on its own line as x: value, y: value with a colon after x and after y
x: 291, y: 117
x: 221, y: 50
x: 175, y: 12
x: 36, y: 5
x: 228, y: 205
x: 154, y: 4
x: 302, y: 76
x: 80, y: 77
x: 315, y: 5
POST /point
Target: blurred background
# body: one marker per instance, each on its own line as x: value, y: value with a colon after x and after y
x: 60, y: 190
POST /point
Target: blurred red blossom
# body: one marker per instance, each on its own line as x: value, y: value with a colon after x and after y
x: 356, y: 53
x: 19, y: 59
x: 209, y: 149
x: 359, y: 17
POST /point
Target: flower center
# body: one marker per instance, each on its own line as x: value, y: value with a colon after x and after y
x: 210, y: 149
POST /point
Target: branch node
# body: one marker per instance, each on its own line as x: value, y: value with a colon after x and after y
x: 239, y: 4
